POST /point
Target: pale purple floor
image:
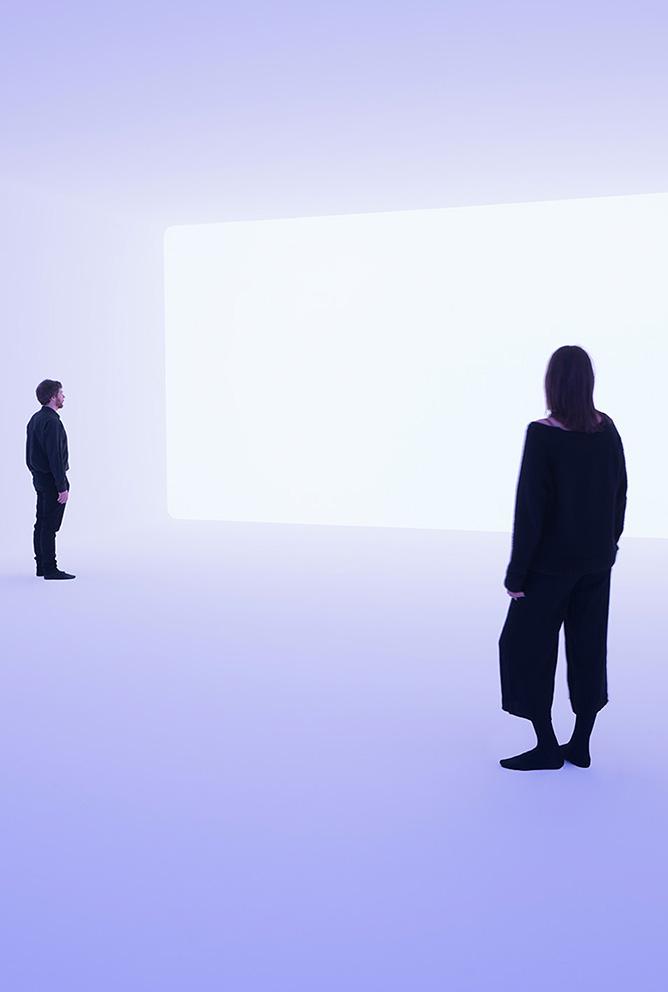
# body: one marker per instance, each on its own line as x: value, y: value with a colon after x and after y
x: 245, y: 758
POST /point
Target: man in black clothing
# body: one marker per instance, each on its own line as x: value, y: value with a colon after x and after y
x: 47, y: 459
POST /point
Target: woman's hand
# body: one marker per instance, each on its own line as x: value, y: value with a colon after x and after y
x: 515, y: 595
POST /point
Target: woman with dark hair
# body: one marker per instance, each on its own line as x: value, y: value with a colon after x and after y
x: 569, y: 515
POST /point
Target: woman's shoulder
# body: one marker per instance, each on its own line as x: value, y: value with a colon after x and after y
x: 552, y: 422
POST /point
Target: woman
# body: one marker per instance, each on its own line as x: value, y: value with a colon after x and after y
x: 569, y: 515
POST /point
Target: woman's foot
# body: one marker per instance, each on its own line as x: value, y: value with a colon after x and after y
x: 576, y: 755
x: 535, y: 759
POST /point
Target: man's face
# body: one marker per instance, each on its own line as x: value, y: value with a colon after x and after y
x: 60, y: 399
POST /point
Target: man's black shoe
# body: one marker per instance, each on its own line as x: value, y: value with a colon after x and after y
x: 39, y: 572
x: 57, y: 574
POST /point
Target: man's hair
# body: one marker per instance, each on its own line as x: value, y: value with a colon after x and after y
x: 47, y: 390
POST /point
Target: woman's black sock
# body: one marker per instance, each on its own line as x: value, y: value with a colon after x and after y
x: 577, y: 749
x: 546, y: 754
x: 534, y: 760
x: 545, y: 735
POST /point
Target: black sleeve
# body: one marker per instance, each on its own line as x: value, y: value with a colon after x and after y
x: 531, y: 502
x: 620, y: 501
x: 54, y: 453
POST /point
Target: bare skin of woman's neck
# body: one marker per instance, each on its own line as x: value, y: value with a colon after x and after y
x: 553, y: 422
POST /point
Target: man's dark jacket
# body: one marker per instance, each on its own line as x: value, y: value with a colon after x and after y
x: 46, y: 450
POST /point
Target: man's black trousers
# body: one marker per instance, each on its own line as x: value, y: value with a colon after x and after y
x: 529, y: 643
x: 49, y: 518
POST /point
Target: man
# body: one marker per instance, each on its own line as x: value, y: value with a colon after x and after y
x: 47, y: 459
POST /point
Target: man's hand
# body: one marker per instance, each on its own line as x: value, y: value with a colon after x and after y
x: 515, y: 595
x: 62, y: 497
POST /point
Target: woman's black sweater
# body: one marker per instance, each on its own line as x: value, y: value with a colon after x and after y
x: 570, y: 502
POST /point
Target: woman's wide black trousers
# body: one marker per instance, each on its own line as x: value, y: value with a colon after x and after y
x: 529, y: 643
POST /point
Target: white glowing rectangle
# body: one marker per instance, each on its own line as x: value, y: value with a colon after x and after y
x: 380, y: 369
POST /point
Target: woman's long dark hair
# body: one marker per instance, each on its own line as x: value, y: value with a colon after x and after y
x: 569, y: 389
